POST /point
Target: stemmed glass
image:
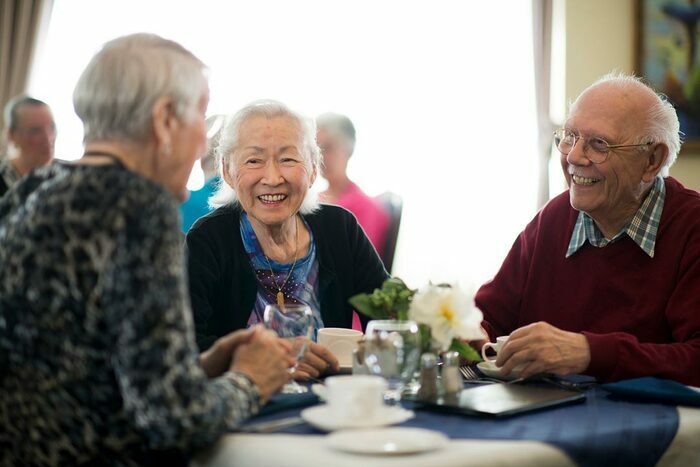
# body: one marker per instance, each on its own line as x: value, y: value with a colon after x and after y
x: 295, y: 322
x: 392, y: 350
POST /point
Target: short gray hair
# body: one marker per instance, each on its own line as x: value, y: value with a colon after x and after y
x: 339, y: 126
x: 661, y: 121
x: 13, y: 107
x: 116, y: 93
x: 228, y: 143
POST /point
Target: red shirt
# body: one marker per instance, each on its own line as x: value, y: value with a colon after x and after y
x: 641, y: 315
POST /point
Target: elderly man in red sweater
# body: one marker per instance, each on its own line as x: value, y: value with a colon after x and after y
x: 605, y: 280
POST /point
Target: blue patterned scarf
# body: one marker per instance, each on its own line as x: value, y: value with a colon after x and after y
x: 302, y: 286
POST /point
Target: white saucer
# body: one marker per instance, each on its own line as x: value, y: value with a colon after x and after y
x: 387, y: 440
x: 320, y: 417
x: 493, y: 371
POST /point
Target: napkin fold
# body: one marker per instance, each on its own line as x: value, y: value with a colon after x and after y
x: 654, y: 389
x: 280, y: 402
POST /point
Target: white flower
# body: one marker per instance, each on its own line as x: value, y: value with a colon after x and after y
x: 449, y: 312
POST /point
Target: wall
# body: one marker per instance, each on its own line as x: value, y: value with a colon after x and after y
x: 601, y: 37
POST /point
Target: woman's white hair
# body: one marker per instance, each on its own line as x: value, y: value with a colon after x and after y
x: 230, y: 135
x: 116, y: 93
x: 661, y: 121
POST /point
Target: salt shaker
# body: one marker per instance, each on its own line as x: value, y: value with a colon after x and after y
x: 451, y: 377
x: 428, y: 377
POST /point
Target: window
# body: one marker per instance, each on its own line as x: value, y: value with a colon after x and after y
x: 441, y: 93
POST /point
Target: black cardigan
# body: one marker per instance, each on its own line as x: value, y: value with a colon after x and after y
x: 223, y: 285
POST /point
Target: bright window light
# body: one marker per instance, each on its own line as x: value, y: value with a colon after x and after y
x: 441, y: 93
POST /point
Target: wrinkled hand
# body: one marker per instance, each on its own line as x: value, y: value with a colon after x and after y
x: 317, y: 360
x: 265, y: 359
x: 217, y: 358
x: 543, y: 348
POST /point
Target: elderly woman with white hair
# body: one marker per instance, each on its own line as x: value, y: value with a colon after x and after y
x: 270, y: 241
x: 97, y: 352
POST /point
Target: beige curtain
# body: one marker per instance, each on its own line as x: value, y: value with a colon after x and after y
x: 542, y: 36
x: 21, y: 25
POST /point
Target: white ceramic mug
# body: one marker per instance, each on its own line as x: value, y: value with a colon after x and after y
x: 497, y: 346
x: 341, y: 342
x: 355, y: 396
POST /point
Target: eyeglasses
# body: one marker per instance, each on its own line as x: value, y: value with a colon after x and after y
x: 565, y: 140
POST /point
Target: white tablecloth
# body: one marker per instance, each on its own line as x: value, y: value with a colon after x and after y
x: 243, y: 450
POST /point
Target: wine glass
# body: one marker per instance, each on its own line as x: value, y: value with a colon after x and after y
x: 392, y: 350
x: 294, y: 322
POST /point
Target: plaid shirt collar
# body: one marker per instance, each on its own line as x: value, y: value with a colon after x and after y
x: 642, y: 229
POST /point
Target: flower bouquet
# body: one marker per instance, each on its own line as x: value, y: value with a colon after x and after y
x: 445, y: 313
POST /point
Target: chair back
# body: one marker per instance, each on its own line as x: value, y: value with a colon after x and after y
x: 393, y: 205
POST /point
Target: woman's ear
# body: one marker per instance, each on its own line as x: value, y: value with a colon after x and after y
x: 164, y: 124
x: 226, y: 169
x: 312, y: 179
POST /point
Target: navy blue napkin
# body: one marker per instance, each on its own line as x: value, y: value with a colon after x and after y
x: 280, y: 402
x: 654, y: 389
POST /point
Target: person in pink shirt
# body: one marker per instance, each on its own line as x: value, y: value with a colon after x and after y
x: 336, y: 138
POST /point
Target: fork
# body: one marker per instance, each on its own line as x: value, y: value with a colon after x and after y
x: 472, y: 377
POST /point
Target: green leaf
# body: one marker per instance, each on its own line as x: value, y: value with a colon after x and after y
x: 363, y: 304
x: 465, y: 350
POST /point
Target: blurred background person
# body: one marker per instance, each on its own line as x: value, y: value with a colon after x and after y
x: 97, y: 352
x: 335, y: 135
x: 197, y: 205
x: 270, y: 241
x: 31, y: 134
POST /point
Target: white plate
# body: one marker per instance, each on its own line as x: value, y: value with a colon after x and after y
x: 493, y: 371
x: 387, y: 440
x: 320, y: 417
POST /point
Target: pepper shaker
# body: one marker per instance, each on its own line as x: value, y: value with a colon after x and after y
x: 428, y: 377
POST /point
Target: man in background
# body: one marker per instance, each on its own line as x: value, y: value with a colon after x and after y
x: 31, y: 134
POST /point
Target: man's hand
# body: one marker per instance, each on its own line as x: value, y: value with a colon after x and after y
x: 265, y: 359
x: 317, y: 360
x: 543, y: 348
x: 217, y: 358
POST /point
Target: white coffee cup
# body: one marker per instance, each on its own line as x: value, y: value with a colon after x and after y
x: 497, y: 346
x: 351, y: 397
x: 341, y: 342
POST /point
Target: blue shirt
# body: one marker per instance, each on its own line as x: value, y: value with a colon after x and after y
x: 198, y: 204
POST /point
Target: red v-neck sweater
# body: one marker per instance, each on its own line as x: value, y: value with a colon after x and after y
x: 641, y: 315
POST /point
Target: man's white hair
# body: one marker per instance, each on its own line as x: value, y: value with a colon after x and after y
x: 230, y: 135
x: 114, y: 96
x: 660, y: 122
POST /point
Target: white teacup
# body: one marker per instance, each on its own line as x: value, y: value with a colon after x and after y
x: 497, y: 346
x: 355, y: 396
x: 341, y: 342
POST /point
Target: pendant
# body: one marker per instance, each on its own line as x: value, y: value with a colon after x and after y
x: 280, y: 298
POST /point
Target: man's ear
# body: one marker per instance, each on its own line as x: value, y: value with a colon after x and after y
x: 655, y: 160
x: 164, y: 123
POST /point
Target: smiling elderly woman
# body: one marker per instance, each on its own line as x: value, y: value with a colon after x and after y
x: 270, y: 241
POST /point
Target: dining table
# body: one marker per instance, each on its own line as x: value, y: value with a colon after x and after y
x: 604, y: 429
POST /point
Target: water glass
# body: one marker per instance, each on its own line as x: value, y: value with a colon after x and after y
x: 392, y: 350
x: 294, y: 322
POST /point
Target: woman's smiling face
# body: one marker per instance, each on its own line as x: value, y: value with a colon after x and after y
x: 271, y: 173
